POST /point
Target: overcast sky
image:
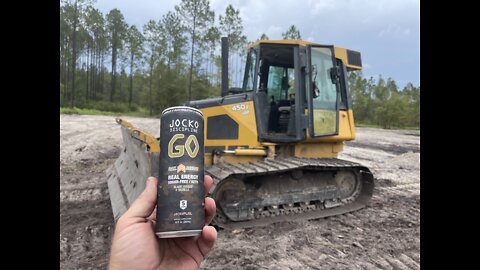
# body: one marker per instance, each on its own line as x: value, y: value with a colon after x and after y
x: 386, y: 32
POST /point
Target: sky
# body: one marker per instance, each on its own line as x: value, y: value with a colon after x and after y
x: 386, y: 32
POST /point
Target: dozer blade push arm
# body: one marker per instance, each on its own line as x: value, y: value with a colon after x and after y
x: 142, y: 135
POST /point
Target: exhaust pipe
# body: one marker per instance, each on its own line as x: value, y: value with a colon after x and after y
x: 224, y: 86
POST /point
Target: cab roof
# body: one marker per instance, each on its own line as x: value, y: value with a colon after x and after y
x: 350, y: 58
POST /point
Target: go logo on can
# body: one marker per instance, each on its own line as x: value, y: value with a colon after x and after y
x: 176, y: 151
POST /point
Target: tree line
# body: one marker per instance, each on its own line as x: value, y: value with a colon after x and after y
x: 380, y: 102
x: 107, y: 64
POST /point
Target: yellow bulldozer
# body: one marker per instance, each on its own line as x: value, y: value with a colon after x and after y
x: 271, y: 146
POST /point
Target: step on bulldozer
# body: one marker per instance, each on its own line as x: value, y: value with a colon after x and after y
x: 271, y: 146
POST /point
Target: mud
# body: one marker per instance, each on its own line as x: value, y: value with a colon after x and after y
x: 385, y: 235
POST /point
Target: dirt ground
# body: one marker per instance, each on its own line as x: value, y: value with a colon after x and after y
x: 385, y: 235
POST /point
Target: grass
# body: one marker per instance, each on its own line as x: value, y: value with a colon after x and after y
x: 362, y: 125
x: 76, y: 110
x: 140, y: 113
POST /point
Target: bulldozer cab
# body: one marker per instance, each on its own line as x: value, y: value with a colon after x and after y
x: 295, y: 89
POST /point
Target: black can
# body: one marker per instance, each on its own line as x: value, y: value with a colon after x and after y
x: 181, y: 195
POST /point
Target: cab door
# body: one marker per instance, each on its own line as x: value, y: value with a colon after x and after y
x: 323, y: 91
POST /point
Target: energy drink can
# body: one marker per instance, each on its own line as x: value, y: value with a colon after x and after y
x: 180, y: 201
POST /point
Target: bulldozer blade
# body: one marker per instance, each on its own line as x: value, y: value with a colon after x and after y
x: 128, y: 176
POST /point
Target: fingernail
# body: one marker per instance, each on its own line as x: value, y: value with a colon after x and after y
x: 150, y: 181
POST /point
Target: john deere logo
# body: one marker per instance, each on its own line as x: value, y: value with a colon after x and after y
x: 183, y: 204
x: 181, y: 168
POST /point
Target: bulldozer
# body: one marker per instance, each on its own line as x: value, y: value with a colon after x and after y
x: 271, y: 145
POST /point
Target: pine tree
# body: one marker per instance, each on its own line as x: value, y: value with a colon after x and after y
x: 135, y: 47
x: 232, y: 27
x: 153, y: 42
x: 195, y: 15
x: 292, y: 33
x: 117, y: 29
x: 173, y: 32
x: 263, y: 37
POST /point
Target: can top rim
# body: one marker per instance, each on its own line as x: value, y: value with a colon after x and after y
x: 182, y: 107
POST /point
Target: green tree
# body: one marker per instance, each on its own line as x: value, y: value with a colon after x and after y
x: 390, y: 105
x: 117, y: 28
x: 211, y: 40
x: 65, y: 31
x: 381, y: 91
x: 174, y: 89
x: 153, y: 52
x: 360, y: 98
x: 74, y: 49
x: 263, y: 37
x: 173, y: 32
x: 393, y: 112
x: 292, y: 33
x: 135, y: 47
x: 231, y: 26
x: 101, y: 48
x: 412, y: 95
x: 381, y: 95
x: 95, y: 31
x: 196, y: 15
x: 370, y: 116
x: 72, y: 13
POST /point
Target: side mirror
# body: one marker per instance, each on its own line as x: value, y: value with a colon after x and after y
x: 315, y: 90
x: 335, y: 74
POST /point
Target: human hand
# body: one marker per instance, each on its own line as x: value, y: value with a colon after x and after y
x: 135, y: 245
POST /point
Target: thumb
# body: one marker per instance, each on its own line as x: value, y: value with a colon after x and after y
x: 207, y: 239
x: 144, y: 205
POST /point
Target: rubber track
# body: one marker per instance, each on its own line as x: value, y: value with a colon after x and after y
x: 222, y: 171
